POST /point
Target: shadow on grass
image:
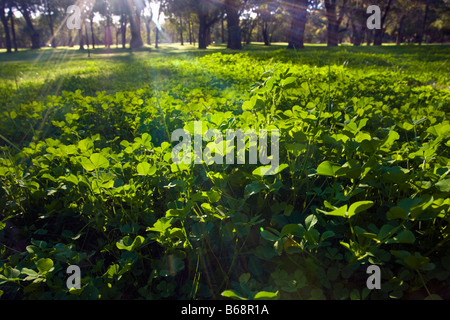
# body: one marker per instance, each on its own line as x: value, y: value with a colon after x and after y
x: 110, y: 71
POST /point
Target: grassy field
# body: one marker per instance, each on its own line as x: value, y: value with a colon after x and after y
x: 88, y: 179
x: 36, y: 74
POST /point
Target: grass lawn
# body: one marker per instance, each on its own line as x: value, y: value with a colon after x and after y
x: 32, y: 75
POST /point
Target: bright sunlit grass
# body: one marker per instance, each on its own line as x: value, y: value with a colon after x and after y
x: 32, y: 74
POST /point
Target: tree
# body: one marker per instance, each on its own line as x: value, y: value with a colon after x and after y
x: 4, y: 19
x: 357, y: 16
x: 401, y: 11
x: 232, y: 8
x: 104, y: 8
x: 48, y: 10
x: 86, y: 8
x: 424, y: 22
x: 438, y: 21
x: 295, y: 34
x: 334, y: 20
x: 178, y: 13
x: 378, y: 34
x: 190, y: 28
x: 53, y: 13
x: 248, y: 25
x: 265, y: 15
x: 134, y: 8
x: 26, y: 8
x: 119, y: 8
x: 161, y: 7
x: 123, y: 25
x: 91, y: 23
x: 13, y: 29
x: 129, y: 11
x: 416, y: 20
x: 148, y: 20
x: 208, y: 13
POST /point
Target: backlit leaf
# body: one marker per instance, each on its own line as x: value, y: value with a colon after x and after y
x: 44, y: 265
x: 265, y: 295
x: 326, y: 168
x: 128, y: 244
x: 99, y: 161
x: 145, y: 169
x: 232, y: 294
x: 269, y: 170
x: 405, y: 236
x: 358, y: 207
x: 340, y: 212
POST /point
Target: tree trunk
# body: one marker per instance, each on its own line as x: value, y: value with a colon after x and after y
x: 265, y: 33
x: 50, y: 24
x: 4, y: 19
x: 157, y: 28
x: 202, y: 31
x: 13, y: 28
x: 34, y: 34
x: 87, y: 40
x: 123, y: 29
x: 378, y: 37
x: 87, y: 36
x: 334, y: 21
x: 181, y: 31
x: 378, y: 34
x: 190, y: 32
x: 70, y: 40
x: 424, y: 22
x: 108, y: 33
x: 108, y: 37
x: 222, y: 28
x: 91, y: 21
x: 298, y: 22
x: 248, y: 32
x: 332, y: 28
x: 358, y: 25
x: 332, y: 35
x: 399, y: 38
x: 135, y: 26
x: 355, y: 39
x: 234, y: 30
x: 81, y: 37
x: 207, y: 16
x: 149, y: 30
x: 208, y: 35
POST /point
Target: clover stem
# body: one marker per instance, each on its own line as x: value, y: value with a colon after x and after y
x: 352, y: 230
x: 423, y: 282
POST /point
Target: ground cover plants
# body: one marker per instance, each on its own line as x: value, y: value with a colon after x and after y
x: 87, y: 176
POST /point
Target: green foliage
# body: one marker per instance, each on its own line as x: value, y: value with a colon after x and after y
x: 362, y: 180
